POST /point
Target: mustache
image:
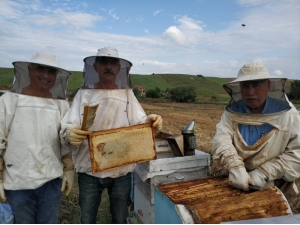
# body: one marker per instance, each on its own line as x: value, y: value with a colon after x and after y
x: 251, y: 97
x: 109, y: 71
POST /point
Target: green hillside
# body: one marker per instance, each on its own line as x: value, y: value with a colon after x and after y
x: 208, y: 89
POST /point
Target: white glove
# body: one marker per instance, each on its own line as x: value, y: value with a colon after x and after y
x: 67, y: 182
x: 2, y: 193
x: 76, y: 136
x: 68, y: 175
x: 239, y: 178
x: 259, y: 179
x: 156, y: 120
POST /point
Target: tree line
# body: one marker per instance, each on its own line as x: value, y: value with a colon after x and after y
x: 188, y: 94
x: 177, y: 94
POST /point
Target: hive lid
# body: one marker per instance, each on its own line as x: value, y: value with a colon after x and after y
x: 176, y: 144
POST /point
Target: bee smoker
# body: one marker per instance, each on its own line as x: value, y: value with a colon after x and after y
x: 189, y: 139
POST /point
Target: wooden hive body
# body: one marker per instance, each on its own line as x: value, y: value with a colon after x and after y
x: 212, y: 200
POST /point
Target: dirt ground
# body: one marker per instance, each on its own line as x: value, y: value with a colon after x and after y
x: 177, y: 115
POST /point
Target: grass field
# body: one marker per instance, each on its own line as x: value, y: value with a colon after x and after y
x: 175, y: 116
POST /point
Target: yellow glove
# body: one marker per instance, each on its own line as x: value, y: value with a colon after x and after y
x: 2, y: 193
x: 68, y: 175
x: 156, y: 120
x: 76, y: 136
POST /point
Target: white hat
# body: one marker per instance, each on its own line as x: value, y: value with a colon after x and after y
x: 91, y: 76
x: 22, y: 79
x: 255, y: 71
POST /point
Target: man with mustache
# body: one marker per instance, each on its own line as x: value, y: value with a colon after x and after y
x: 106, y: 84
x: 257, y: 141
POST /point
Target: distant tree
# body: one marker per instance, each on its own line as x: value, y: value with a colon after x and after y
x: 214, y: 98
x: 152, y: 94
x: 295, y: 90
x: 183, y: 94
x: 136, y: 91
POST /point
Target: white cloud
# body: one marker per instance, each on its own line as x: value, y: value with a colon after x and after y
x: 9, y: 9
x: 113, y: 14
x: 188, y: 31
x: 176, y: 34
x: 233, y: 63
x: 60, y: 17
x: 139, y: 18
x: 271, y: 35
x: 156, y: 12
x: 277, y: 73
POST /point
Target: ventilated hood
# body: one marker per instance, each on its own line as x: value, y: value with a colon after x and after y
x: 90, y: 76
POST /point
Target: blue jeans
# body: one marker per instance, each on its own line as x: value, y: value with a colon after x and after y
x: 36, y: 206
x: 90, y: 192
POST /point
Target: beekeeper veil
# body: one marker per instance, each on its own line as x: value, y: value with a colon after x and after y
x: 255, y: 71
x: 42, y: 58
x: 91, y: 77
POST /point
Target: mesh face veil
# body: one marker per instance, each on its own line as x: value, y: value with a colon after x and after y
x: 22, y: 79
x: 90, y: 76
x: 251, y: 72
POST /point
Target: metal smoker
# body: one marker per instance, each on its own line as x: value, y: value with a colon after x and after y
x: 189, y: 139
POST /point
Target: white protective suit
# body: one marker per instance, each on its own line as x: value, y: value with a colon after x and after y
x: 29, y: 141
x: 276, y: 154
x: 117, y: 108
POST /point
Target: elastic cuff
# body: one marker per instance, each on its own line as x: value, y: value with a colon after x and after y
x: 66, y: 135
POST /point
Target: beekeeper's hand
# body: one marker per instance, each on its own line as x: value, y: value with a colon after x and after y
x: 239, y: 178
x: 2, y: 193
x: 76, y: 136
x: 68, y: 175
x: 259, y: 179
x: 156, y: 120
x: 67, y: 182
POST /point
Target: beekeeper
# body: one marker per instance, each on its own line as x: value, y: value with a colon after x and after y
x: 32, y: 160
x: 107, y: 83
x: 257, y: 141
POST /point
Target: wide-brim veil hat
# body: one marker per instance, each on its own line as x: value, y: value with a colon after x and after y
x: 44, y: 58
x: 90, y: 76
x: 251, y: 72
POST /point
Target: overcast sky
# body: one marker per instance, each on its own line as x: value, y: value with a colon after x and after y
x: 158, y: 36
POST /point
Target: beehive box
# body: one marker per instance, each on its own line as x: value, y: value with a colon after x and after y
x: 213, y: 200
x: 165, y: 169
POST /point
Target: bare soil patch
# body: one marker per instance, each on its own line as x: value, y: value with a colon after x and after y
x: 177, y: 115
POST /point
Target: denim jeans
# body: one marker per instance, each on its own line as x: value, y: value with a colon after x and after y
x: 36, y: 206
x: 90, y: 192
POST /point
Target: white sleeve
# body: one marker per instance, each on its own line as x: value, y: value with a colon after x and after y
x: 135, y: 112
x: 71, y: 119
x: 8, y: 108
